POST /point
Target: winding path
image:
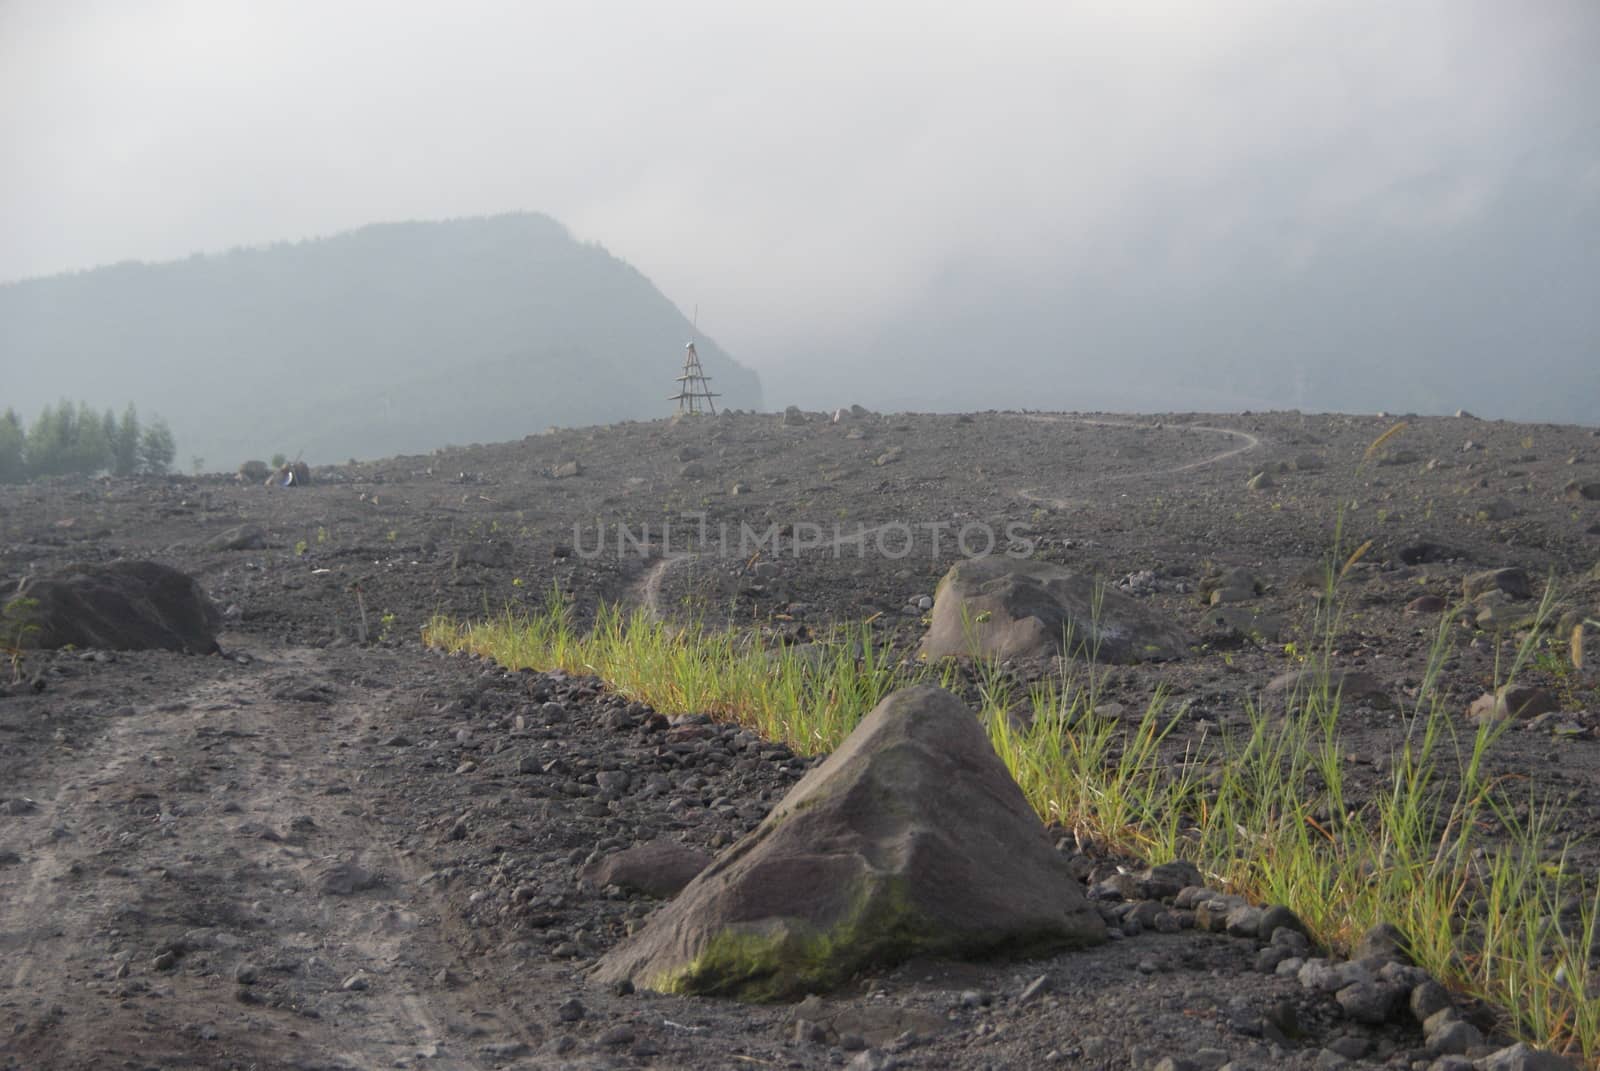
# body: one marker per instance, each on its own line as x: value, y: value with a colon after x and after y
x: 647, y: 590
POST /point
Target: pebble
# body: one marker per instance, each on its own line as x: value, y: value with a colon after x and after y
x: 1035, y: 988
x: 571, y: 1010
x: 621, y: 1034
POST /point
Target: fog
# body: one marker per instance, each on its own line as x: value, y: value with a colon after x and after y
x: 1157, y: 205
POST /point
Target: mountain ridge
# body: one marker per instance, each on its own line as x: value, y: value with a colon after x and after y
x: 327, y: 345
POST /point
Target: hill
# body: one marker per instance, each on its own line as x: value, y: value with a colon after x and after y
x: 393, y: 338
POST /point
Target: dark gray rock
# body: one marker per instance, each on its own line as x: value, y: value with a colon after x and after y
x: 1351, y: 686
x: 1522, y: 1057
x: 1372, y: 1003
x: 127, y: 605
x: 1384, y: 942
x: 1012, y: 608
x: 660, y: 869
x: 1513, y: 581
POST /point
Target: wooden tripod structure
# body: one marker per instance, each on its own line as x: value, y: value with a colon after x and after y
x: 694, y: 386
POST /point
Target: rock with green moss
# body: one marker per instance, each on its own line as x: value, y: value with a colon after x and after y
x: 1012, y: 608
x: 911, y: 840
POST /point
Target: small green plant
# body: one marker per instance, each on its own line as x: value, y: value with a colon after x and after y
x: 393, y: 535
x: 385, y: 627
x: 16, y: 625
x: 322, y: 536
x: 300, y: 548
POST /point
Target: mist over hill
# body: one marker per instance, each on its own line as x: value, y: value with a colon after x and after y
x: 1413, y: 299
x: 394, y: 338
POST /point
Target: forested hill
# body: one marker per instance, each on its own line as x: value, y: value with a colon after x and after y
x: 395, y: 338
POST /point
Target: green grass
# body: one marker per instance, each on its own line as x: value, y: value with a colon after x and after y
x: 1467, y: 864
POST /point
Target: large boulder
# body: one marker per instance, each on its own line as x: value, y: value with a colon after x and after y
x: 1013, y: 608
x: 910, y: 840
x: 127, y: 605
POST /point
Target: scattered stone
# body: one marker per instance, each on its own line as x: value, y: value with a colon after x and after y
x: 659, y: 869
x: 1033, y: 989
x: 1372, y: 1003
x: 1523, y: 1057
x: 1454, y: 1038
x: 793, y: 417
x: 1382, y: 941
x: 1513, y: 581
x: 1165, y: 880
x: 571, y: 1010
x: 1351, y: 686
x: 1582, y: 491
x: 1426, y: 604
x: 621, y: 1034
x: 1428, y: 999
x: 1512, y: 701
x: 1012, y: 608
x: 347, y: 878
x: 242, y: 537
x: 356, y: 983
x: 911, y: 839
x: 1261, y: 481
x: 567, y: 470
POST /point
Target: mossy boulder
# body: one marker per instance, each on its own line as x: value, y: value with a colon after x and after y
x: 1013, y: 608
x: 910, y: 840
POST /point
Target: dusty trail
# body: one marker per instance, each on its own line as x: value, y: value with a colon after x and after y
x: 646, y: 592
x: 1246, y: 442
x: 240, y: 829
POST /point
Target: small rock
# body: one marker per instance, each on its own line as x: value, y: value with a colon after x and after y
x: 1428, y: 999
x: 1522, y: 1057
x: 355, y: 983
x: 1454, y: 1038
x: 1372, y: 1003
x: 571, y: 1010
x: 1035, y: 988
x: 1384, y: 941
x: 1512, y: 701
x: 1513, y: 581
x: 621, y: 1034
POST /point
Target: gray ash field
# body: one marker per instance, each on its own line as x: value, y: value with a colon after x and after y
x: 331, y: 847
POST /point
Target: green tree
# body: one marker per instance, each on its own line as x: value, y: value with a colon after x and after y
x: 125, y: 443
x: 156, y: 449
x: 50, y: 441
x: 90, y: 450
x: 13, y: 444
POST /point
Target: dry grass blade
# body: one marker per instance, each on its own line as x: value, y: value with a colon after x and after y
x: 1357, y: 556
x: 1377, y: 444
x: 1577, y: 645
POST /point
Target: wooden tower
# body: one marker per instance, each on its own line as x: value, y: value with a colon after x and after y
x: 694, y: 386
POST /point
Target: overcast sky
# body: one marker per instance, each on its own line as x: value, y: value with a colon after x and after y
x: 793, y: 170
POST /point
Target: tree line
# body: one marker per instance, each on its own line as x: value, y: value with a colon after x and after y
x: 67, y: 439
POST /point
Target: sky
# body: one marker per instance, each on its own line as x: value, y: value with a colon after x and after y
x: 806, y: 176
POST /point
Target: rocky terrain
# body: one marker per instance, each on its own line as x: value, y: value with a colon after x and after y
x: 327, y: 846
